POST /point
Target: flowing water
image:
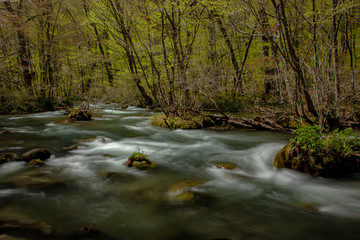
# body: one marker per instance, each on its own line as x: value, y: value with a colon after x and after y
x: 252, y: 201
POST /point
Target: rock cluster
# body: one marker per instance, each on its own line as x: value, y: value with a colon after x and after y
x: 34, y: 157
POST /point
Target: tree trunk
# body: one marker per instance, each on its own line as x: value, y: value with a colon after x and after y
x: 335, y: 52
x: 24, y: 52
x: 294, y: 59
x: 106, y: 64
x: 237, y: 80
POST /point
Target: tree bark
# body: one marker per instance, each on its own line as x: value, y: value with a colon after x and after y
x: 294, y: 59
x: 24, y: 52
x: 107, y: 65
x: 237, y: 80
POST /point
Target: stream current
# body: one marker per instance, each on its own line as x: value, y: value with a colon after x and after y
x: 252, y: 201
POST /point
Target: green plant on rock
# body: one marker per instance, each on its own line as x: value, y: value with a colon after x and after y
x: 339, y: 142
x: 140, y: 160
x: 36, y: 163
x: 308, y: 139
x: 343, y: 143
x: 78, y: 114
x: 329, y: 155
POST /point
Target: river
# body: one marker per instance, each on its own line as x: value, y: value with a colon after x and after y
x: 252, y: 201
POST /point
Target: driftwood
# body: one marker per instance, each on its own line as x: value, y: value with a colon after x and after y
x: 260, y: 123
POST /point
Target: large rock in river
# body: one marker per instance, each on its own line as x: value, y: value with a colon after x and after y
x: 140, y: 161
x: 77, y: 114
x: 37, y: 153
x: 328, y: 166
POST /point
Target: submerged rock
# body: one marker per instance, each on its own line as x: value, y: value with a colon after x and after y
x: 15, y: 230
x: 181, y: 192
x: 116, y: 176
x: 326, y: 166
x: 37, y: 153
x: 101, y: 139
x: 8, y: 157
x: 64, y: 121
x: 72, y: 147
x: 36, y: 179
x: 140, y: 161
x: 228, y: 166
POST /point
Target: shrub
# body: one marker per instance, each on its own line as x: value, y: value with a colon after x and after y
x: 340, y: 143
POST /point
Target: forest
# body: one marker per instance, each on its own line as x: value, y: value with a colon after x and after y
x: 286, y: 57
x: 258, y: 100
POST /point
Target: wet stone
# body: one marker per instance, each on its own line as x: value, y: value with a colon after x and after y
x: 181, y: 192
x: 8, y: 157
x: 89, y: 139
x: 228, y: 166
x: 37, y: 153
x: 33, y: 179
x: 73, y: 147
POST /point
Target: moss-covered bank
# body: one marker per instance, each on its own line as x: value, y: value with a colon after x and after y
x: 328, y: 155
x: 185, y: 122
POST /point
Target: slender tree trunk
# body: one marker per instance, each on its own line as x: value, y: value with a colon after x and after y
x: 237, y: 80
x: 348, y: 40
x: 294, y: 59
x: 170, y: 78
x: 107, y: 65
x: 214, y: 75
x: 24, y: 51
x: 269, y: 69
x: 238, y: 85
x: 118, y: 13
x: 335, y: 52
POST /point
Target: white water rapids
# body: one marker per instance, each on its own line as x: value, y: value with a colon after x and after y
x: 252, y: 201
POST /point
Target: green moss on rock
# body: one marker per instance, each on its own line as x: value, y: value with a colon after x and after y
x: 325, y: 166
x: 188, y: 122
x: 140, y: 161
x: 181, y: 192
x: 36, y: 163
x: 77, y: 114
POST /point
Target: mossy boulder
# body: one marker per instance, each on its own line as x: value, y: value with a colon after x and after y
x: 140, y: 161
x: 77, y: 114
x: 37, y: 153
x: 186, y: 122
x: 8, y: 157
x: 325, y: 166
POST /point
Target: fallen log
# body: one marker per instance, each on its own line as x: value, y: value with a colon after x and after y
x: 258, y: 123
